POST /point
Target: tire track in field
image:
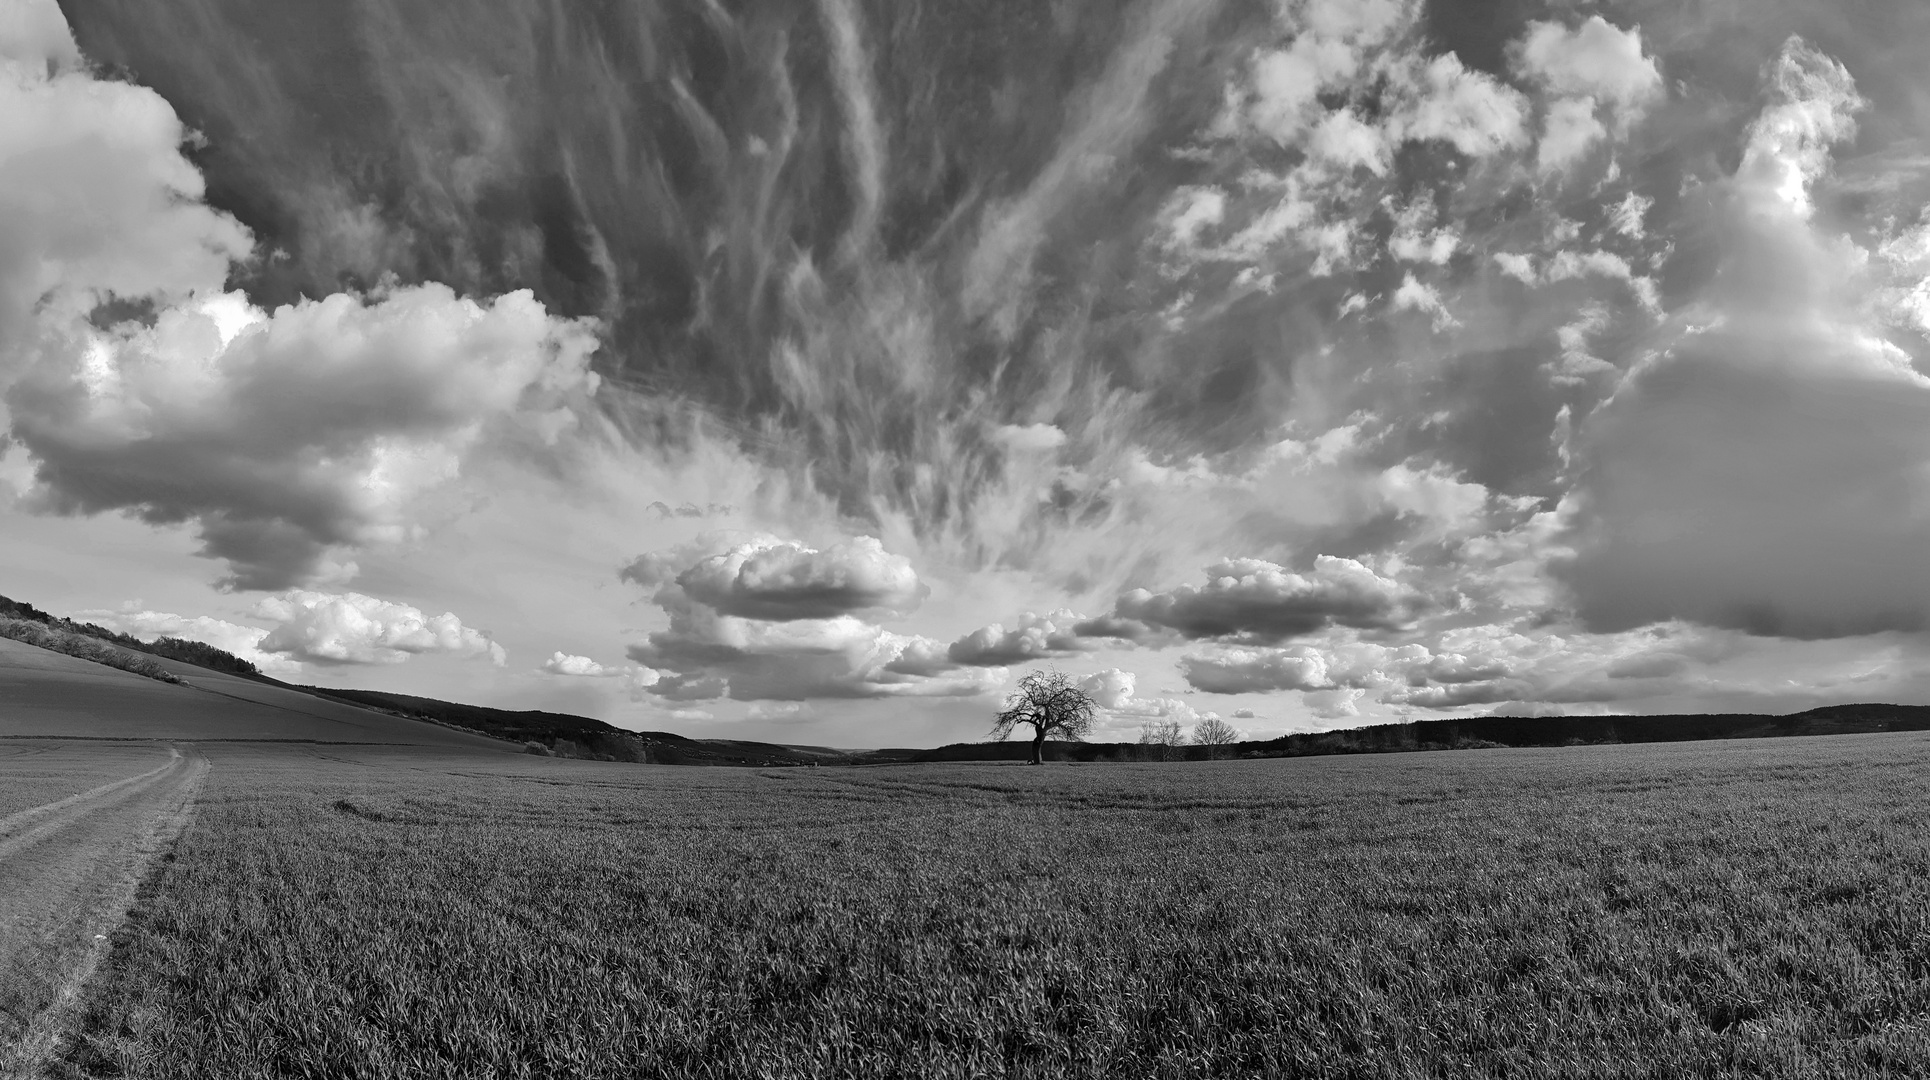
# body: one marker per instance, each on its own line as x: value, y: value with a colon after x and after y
x: 68, y: 871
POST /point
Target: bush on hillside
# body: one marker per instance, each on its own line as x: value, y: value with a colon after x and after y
x: 82, y: 646
x: 188, y: 652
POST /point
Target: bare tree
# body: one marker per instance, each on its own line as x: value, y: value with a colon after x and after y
x: 1053, y: 705
x: 1214, y: 732
x: 1161, y: 740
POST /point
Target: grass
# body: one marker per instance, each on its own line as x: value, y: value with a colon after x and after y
x: 37, y: 772
x: 1733, y: 909
x: 84, y: 647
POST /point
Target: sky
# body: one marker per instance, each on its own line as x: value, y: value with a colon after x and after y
x: 812, y: 371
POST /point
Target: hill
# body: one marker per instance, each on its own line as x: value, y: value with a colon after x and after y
x: 197, y: 653
x: 46, y: 694
x: 579, y: 736
x: 1470, y: 733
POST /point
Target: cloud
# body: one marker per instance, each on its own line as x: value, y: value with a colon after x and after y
x: 715, y: 588
x: 1654, y: 665
x: 286, y: 437
x: 1344, y: 139
x: 1235, y: 670
x: 1596, y: 60
x: 561, y: 663
x: 1517, y: 266
x: 351, y: 628
x: 1412, y: 241
x: 1034, y: 637
x: 1567, y: 133
x: 1029, y: 438
x: 1814, y: 105
x: 1111, y: 688
x: 1593, y: 71
x: 1628, y: 216
x: 1466, y: 109
x: 233, y: 638
x: 1257, y: 601
x: 1414, y: 295
x: 636, y: 681
x: 1766, y: 469
x: 783, y: 580
x: 96, y: 199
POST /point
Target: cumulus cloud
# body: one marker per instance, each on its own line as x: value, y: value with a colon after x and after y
x: 1258, y: 601
x: 1595, y: 60
x: 1466, y: 109
x: 767, y: 619
x: 284, y: 437
x: 1034, y: 637
x: 1595, y: 70
x: 96, y: 199
x: 783, y: 580
x: 233, y: 638
x: 1029, y: 438
x: 1236, y: 670
x: 1111, y: 688
x: 351, y: 628
x: 562, y: 663
x: 290, y: 434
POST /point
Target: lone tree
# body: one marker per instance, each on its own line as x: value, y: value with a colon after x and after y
x: 1053, y: 704
x: 1216, y: 735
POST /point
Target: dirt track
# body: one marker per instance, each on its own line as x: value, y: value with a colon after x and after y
x: 68, y: 870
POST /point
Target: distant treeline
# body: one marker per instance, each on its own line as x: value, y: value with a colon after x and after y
x: 1469, y: 733
x: 188, y: 652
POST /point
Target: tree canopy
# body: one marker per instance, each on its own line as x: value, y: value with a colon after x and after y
x: 1053, y: 705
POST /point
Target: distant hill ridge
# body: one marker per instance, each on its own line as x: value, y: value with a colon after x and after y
x: 1480, y: 732
x: 580, y: 736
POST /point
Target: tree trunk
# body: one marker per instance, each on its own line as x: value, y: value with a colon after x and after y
x: 1038, y: 746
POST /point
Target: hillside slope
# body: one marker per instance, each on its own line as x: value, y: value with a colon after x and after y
x: 46, y: 694
x: 580, y: 736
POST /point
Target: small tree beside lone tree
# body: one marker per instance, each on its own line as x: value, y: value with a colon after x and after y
x: 1053, y: 705
x: 1161, y: 741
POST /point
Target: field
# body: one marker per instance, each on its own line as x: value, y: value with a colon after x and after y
x: 34, y: 773
x: 1723, y: 909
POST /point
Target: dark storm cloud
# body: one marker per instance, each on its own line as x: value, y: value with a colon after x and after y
x: 1766, y: 469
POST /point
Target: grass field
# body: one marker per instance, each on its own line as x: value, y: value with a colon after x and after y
x: 1730, y: 909
x: 36, y: 772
